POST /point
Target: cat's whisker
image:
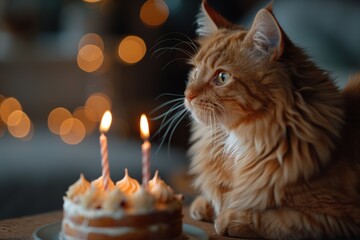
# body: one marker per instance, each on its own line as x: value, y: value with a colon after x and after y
x: 176, y: 59
x: 165, y: 122
x: 165, y: 114
x: 172, y: 122
x: 169, y: 94
x: 179, y: 100
x: 189, y: 49
x: 171, y: 40
x: 184, y: 42
x: 188, y: 40
x: 180, y: 42
x: 173, y: 108
x: 180, y: 118
x: 189, y: 52
x: 164, y: 50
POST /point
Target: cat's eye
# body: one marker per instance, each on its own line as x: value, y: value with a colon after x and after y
x: 222, y: 78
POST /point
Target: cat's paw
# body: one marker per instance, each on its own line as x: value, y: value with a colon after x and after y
x: 234, y: 224
x: 201, y: 210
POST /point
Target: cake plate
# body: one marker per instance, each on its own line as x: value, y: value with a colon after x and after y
x: 51, y: 232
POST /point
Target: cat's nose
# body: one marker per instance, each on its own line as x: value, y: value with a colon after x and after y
x: 190, y: 95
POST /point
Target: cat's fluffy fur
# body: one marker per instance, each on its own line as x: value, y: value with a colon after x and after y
x: 276, y: 150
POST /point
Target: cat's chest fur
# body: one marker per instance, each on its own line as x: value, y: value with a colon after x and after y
x: 224, y: 174
x: 214, y: 175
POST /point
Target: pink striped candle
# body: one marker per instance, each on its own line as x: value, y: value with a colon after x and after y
x: 104, y: 127
x: 145, y: 148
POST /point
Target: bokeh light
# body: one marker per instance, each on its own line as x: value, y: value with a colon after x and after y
x: 8, y: 106
x: 154, y: 12
x: 106, y: 64
x: 87, y: 116
x: 90, y: 58
x: 72, y: 131
x: 29, y: 136
x: 91, y: 39
x: 15, y: 118
x: 131, y: 49
x: 56, y: 117
x: 19, y: 124
x: 98, y: 103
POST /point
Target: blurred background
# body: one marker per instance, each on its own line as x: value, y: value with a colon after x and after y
x: 63, y: 63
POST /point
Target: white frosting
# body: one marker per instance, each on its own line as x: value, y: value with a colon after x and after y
x: 113, y: 200
x: 78, y: 188
x: 158, y: 188
x: 72, y: 209
x: 141, y: 201
x: 92, y: 201
x: 93, y: 198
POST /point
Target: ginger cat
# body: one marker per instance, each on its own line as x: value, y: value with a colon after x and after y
x: 275, y: 144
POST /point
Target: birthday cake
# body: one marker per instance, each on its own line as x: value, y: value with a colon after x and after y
x: 124, y: 210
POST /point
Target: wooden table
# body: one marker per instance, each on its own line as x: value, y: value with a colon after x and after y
x: 22, y: 228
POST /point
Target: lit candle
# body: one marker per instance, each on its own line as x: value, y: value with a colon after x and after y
x: 104, y: 127
x: 145, y: 147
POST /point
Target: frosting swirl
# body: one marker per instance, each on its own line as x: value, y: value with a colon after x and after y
x: 78, y: 188
x: 158, y: 188
x: 141, y: 200
x: 93, y: 197
x: 99, y: 183
x: 128, y: 185
x: 113, y: 200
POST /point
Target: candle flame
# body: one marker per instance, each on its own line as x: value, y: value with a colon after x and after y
x: 105, y: 122
x: 144, y: 127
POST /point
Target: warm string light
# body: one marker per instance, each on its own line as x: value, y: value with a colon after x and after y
x: 72, y: 131
x: 8, y: 106
x: 90, y: 54
x: 91, y: 39
x: 90, y: 58
x: 15, y: 119
x: 98, y: 103
x: 87, y: 116
x: 73, y: 127
x: 153, y: 13
x: 131, y: 49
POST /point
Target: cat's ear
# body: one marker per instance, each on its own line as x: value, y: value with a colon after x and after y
x: 265, y: 34
x: 209, y: 21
